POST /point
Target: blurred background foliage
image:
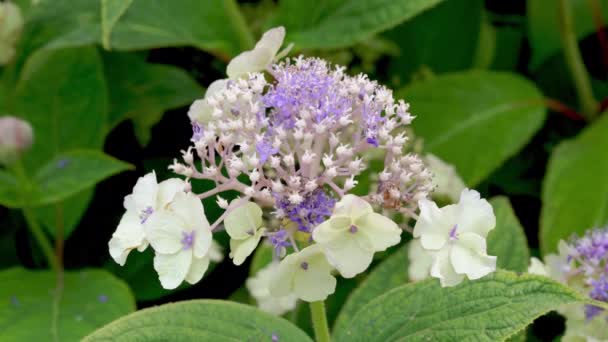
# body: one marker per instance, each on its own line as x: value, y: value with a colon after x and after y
x: 106, y: 85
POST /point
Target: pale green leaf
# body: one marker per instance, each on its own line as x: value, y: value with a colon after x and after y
x: 159, y: 23
x: 70, y: 173
x: 489, y: 309
x: 475, y: 120
x: 544, y: 27
x: 199, y: 320
x: 337, y: 24
x: 575, y: 188
x: 111, y: 11
x: 508, y: 239
x: 32, y: 310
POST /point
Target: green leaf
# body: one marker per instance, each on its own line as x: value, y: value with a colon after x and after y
x: 143, y: 92
x: 508, y: 239
x: 33, y: 310
x: 338, y: 24
x: 388, y: 275
x: 199, y: 320
x: 575, y: 188
x: 443, y: 39
x: 489, y: 309
x: 150, y: 24
x: 62, y: 93
x: 544, y: 28
x: 475, y: 120
x: 9, y: 190
x: 70, y: 173
x: 111, y: 11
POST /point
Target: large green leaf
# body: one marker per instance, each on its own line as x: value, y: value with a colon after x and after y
x: 575, y: 188
x: 336, y: 24
x: 200, y: 320
x: 111, y: 11
x: 475, y: 120
x: 159, y: 23
x: 508, y: 239
x: 489, y: 309
x: 443, y: 39
x: 143, y: 92
x: 544, y: 27
x: 33, y: 310
x: 70, y: 173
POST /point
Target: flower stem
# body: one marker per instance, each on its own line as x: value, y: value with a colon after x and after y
x: 319, y: 321
x: 31, y: 220
x: 574, y: 61
x: 246, y: 39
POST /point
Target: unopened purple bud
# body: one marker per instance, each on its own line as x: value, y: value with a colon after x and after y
x: 16, y: 137
x: 304, y: 266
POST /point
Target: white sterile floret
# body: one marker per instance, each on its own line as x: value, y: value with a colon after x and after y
x: 216, y: 252
x: 446, y: 181
x: 306, y: 274
x: 260, y: 57
x: 353, y: 234
x: 537, y: 267
x: 181, y: 238
x: 148, y: 196
x: 244, y: 225
x: 421, y: 261
x: 258, y: 287
x: 457, y: 233
x: 201, y: 110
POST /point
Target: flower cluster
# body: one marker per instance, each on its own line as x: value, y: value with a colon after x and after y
x: 292, y: 138
x: 582, y: 263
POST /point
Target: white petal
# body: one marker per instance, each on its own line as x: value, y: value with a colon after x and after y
x: 216, y: 253
x: 258, y: 287
x: 244, y: 220
x: 167, y: 190
x: 281, y: 283
x: 476, y: 215
x: 172, y: 268
x: 189, y: 209
x: 381, y: 231
x: 352, y: 206
x: 468, y: 256
x: 442, y: 268
x: 144, y: 192
x: 216, y: 86
x: 316, y: 282
x: 421, y: 261
x: 331, y: 229
x: 537, y: 267
x: 203, y: 239
x: 446, y: 181
x: 197, y: 269
x: 350, y: 254
x: 434, y: 224
x: 260, y: 57
x: 164, y: 231
x: 241, y: 249
x: 128, y: 235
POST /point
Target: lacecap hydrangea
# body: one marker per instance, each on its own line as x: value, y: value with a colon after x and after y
x: 292, y: 137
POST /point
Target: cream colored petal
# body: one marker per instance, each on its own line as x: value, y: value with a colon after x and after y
x: 326, y: 231
x: 189, y: 209
x: 165, y: 231
x: 167, y: 190
x: 172, y: 268
x: 243, y: 221
x: 258, y: 287
x: 249, y: 61
x: 272, y: 39
x: 216, y: 87
x: 241, y: 249
x: 316, y: 282
x: 203, y: 239
x: 537, y: 267
x: 145, y: 191
x: 128, y: 235
x: 281, y: 283
x: 421, y: 261
x: 216, y: 252
x: 352, y: 206
x: 476, y: 215
x: 442, y: 268
x: 197, y: 269
x: 381, y: 231
x: 434, y: 225
x: 349, y: 254
x: 468, y: 256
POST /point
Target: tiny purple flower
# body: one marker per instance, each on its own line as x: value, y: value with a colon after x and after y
x: 265, y: 150
x: 102, y: 298
x: 279, y: 240
x: 145, y: 214
x: 187, y: 240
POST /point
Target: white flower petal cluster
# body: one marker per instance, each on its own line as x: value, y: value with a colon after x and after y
x: 353, y: 234
x: 173, y: 222
x: 456, y: 235
x: 11, y: 25
x: 421, y: 261
x: 244, y: 225
x: 306, y: 274
x: 446, y: 181
x: 259, y: 288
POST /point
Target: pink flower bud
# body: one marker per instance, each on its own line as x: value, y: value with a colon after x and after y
x: 15, y: 138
